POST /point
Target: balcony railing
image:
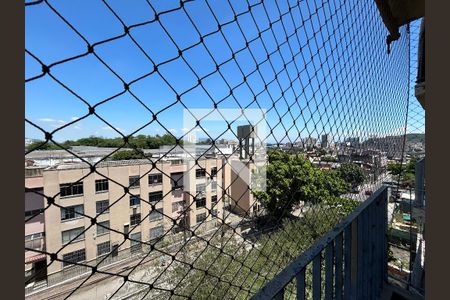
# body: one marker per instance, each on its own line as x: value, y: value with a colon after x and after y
x: 349, y: 262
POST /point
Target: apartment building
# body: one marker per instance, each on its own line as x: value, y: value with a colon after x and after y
x: 35, y: 264
x: 154, y: 196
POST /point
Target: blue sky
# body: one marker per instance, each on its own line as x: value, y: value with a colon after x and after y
x: 334, y: 100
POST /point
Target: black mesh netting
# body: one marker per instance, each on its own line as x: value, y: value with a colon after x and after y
x: 319, y: 74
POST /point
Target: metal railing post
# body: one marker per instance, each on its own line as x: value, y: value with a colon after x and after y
x: 355, y: 246
x: 338, y: 267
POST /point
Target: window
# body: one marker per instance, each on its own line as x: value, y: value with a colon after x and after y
x: 154, y: 178
x: 74, y: 257
x: 176, y: 180
x: 156, y: 215
x: 68, y: 235
x: 201, y: 217
x: 135, y: 219
x: 34, y: 241
x: 101, y: 185
x: 199, y: 203
x: 135, y: 242
x: 199, y: 173
x: 177, y: 205
x: 101, y: 227
x: 214, y: 199
x: 214, y: 172
x: 34, y: 212
x: 34, y: 236
x: 134, y: 181
x: 72, y: 212
x: 214, y: 213
x: 135, y: 200
x: 102, y: 207
x: 213, y: 185
x: 115, y: 250
x: 103, y: 248
x: 200, y: 188
x: 155, y: 197
x: 156, y: 232
x: 176, y: 162
x: 71, y: 189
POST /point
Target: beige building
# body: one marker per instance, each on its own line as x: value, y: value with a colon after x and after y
x: 155, y: 197
x: 242, y: 182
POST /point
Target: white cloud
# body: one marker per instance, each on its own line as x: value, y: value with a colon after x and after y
x: 74, y: 118
x: 173, y: 130
x: 46, y: 120
x: 52, y: 121
x: 76, y: 127
x: 110, y: 128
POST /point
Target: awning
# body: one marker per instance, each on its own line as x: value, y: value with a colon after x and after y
x: 35, y: 258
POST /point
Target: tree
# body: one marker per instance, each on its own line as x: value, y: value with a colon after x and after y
x: 41, y: 145
x: 140, y: 141
x: 394, y: 168
x: 321, y: 152
x: 405, y: 173
x: 251, y: 267
x: 129, y: 154
x: 352, y: 174
x: 291, y: 179
x: 227, y: 267
x: 329, y: 158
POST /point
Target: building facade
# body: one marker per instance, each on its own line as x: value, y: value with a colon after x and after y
x: 170, y: 190
x: 327, y: 141
x: 35, y: 264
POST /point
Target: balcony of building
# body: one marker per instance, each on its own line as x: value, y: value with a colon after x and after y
x: 314, y: 68
x: 353, y: 261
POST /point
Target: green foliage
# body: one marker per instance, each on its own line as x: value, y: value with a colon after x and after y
x: 41, y: 145
x: 342, y: 206
x: 415, y: 137
x: 321, y: 152
x: 351, y: 173
x: 128, y: 154
x: 405, y: 172
x: 253, y: 266
x: 394, y: 168
x: 291, y: 179
x: 139, y: 141
x: 208, y: 141
x: 329, y: 158
x: 228, y: 269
